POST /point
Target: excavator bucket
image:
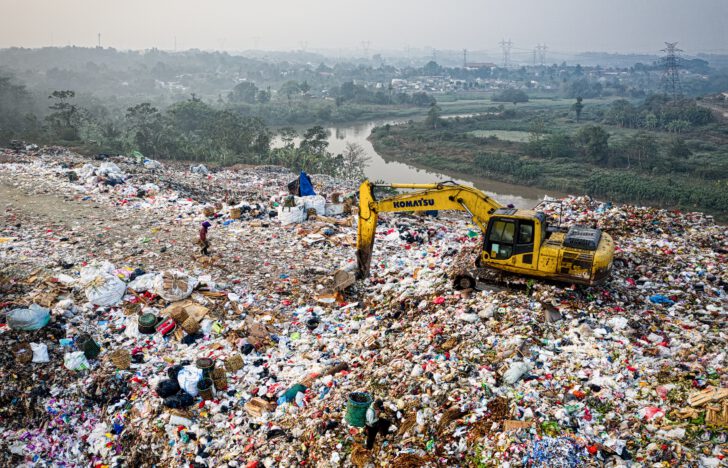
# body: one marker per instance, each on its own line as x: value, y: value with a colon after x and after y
x: 366, y: 228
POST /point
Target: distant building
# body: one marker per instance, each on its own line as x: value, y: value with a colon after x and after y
x: 480, y: 65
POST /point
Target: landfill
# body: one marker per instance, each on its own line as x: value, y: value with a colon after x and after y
x: 125, y: 346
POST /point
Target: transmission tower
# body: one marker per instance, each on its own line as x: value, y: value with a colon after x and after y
x: 365, y: 46
x: 465, y: 58
x: 542, y: 53
x: 506, y: 46
x: 671, y: 75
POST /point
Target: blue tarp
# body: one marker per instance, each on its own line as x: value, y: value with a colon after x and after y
x: 305, y: 186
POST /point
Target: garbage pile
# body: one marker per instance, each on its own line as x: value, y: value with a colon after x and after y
x: 126, y: 347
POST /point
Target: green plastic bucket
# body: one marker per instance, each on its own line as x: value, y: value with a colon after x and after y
x: 356, y: 408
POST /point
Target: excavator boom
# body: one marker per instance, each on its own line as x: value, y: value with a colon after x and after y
x: 440, y: 196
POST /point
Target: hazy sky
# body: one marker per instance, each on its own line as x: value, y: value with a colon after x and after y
x: 564, y: 25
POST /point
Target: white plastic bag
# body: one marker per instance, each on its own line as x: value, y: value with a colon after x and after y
x: 40, y: 352
x: 515, y: 372
x: 75, y: 361
x: 291, y: 215
x: 188, y: 377
x: 174, y: 285
x: 33, y: 318
x: 90, y: 272
x: 143, y: 282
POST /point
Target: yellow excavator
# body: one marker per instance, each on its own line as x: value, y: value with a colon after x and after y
x: 514, y: 240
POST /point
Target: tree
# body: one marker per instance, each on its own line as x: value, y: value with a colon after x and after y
x: 145, y: 123
x: 651, y: 121
x: 263, y: 96
x: 677, y: 126
x: 433, y: 119
x: 678, y: 150
x: 594, y: 143
x: 288, y: 135
x: 622, y: 113
x: 354, y: 162
x: 510, y: 95
x: 244, y: 91
x: 432, y: 69
x: 537, y: 129
x: 304, y: 87
x: 423, y: 99
x: 289, y: 89
x: 315, y: 140
x: 65, y: 119
x: 578, y: 107
x: 642, y: 146
x: 17, y: 117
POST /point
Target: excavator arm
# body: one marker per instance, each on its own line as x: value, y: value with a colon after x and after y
x: 440, y: 196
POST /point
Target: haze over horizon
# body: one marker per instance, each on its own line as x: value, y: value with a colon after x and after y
x: 564, y: 25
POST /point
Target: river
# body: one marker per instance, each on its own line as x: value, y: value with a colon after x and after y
x: 393, y: 172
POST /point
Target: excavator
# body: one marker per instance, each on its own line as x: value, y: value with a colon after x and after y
x: 515, y: 241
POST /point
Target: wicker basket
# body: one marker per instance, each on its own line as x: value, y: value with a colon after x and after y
x: 218, y: 373
x: 179, y: 315
x: 121, y: 358
x: 234, y: 363
x: 235, y: 213
x: 220, y: 384
x: 23, y: 353
x: 191, y: 326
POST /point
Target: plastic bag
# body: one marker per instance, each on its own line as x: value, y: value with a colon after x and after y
x: 167, y: 388
x: 188, y: 378
x: 334, y: 209
x: 515, y: 372
x: 143, y: 283
x: 33, y: 318
x: 317, y: 202
x: 75, y: 361
x: 40, y: 352
x: 105, y: 290
x: 291, y: 215
x: 174, y: 285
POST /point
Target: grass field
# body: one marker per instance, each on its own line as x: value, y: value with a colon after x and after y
x: 506, y: 135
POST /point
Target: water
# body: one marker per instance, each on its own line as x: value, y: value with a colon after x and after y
x: 396, y: 172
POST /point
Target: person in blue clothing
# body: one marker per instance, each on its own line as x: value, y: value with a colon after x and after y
x: 375, y: 423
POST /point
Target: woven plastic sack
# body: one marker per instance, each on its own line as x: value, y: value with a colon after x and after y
x: 174, y: 285
x: 105, y: 290
x: 188, y: 378
x: 291, y: 215
x: 316, y: 202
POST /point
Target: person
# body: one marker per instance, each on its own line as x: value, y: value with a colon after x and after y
x: 375, y: 423
x: 204, y: 243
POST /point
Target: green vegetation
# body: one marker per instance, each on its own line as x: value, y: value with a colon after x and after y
x: 622, y: 150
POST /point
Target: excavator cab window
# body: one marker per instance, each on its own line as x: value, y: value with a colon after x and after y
x: 499, y: 244
x: 508, y: 237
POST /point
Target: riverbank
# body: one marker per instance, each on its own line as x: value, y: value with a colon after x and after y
x: 456, y: 148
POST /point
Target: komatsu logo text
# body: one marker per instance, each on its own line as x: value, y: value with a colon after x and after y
x: 414, y: 203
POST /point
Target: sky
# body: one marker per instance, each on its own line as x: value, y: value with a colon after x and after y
x: 371, y: 25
